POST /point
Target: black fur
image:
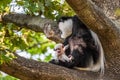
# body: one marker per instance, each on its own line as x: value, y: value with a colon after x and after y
x: 87, y: 49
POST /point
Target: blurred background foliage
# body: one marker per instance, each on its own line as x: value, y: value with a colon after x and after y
x: 25, y: 42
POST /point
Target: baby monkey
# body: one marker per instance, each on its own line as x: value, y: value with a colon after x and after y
x: 60, y: 52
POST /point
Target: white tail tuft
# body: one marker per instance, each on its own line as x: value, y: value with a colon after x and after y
x: 101, y: 61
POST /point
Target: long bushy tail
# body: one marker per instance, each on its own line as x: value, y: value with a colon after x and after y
x: 101, y: 60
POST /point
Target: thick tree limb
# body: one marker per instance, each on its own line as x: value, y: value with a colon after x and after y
x: 27, y: 69
x: 94, y: 18
x: 35, y: 23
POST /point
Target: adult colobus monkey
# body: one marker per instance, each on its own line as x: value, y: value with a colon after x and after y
x: 84, y: 45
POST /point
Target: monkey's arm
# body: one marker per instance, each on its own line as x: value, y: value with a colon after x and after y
x: 63, y: 63
x: 69, y: 64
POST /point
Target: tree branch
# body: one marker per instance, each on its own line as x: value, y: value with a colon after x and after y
x: 27, y: 69
x: 35, y: 23
x: 94, y: 18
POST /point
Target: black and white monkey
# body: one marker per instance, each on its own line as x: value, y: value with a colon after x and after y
x: 84, y: 45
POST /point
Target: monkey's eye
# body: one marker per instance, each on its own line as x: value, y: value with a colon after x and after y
x: 56, y: 49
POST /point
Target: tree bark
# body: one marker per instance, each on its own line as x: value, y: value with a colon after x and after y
x: 107, y: 31
x: 27, y: 69
x: 35, y: 23
x: 96, y: 20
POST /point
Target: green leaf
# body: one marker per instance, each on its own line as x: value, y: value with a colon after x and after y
x: 8, y: 78
x: 47, y: 58
x: 48, y: 3
x: 1, y: 26
x: 117, y: 12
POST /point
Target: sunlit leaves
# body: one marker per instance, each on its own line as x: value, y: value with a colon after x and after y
x: 5, y: 55
x: 32, y: 6
x: 57, y: 9
x: 117, y: 12
x: 7, y: 77
x: 49, y: 8
x: 4, y: 5
x: 13, y: 38
x: 47, y: 58
x: 38, y: 43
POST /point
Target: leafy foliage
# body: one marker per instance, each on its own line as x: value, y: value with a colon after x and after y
x: 7, y: 77
x: 4, y: 7
x: 117, y: 12
x: 13, y: 38
x: 49, y: 8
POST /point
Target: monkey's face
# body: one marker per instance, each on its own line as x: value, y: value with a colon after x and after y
x: 65, y: 27
x: 59, y: 49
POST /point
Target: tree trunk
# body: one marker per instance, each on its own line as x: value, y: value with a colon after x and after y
x: 95, y: 19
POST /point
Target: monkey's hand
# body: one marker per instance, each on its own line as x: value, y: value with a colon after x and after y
x: 48, y: 30
x: 54, y: 61
x: 70, y: 57
x: 61, y: 63
x: 66, y: 47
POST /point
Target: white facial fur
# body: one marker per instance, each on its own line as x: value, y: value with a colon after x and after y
x: 63, y: 57
x: 66, y: 28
